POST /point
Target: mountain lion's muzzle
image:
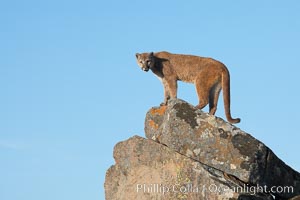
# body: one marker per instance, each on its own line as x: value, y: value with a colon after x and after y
x: 145, y: 68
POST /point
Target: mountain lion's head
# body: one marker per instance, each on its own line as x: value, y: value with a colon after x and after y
x: 145, y: 60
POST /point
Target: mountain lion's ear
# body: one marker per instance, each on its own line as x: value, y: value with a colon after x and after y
x: 137, y: 55
x: 151, y: 55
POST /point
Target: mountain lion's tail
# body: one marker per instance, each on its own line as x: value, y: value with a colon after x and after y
x: 226, y: 96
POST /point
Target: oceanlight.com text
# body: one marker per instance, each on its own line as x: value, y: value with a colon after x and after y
x: 212, y: 188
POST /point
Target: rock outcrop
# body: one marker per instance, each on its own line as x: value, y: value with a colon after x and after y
x: 189, y: 154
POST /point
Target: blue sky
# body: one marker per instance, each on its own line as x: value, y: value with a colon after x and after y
x: 71, y: 89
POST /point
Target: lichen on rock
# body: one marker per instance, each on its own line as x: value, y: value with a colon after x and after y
x: 190, y: 153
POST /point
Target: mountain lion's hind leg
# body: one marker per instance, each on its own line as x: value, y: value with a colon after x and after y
x: 213, y: 98
x: 202, y: 93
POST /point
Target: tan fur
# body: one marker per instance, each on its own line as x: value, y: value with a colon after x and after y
x: 208, y: 75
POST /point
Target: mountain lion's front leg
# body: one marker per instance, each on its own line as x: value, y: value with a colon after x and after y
x: 172, y: 88
x: 166, y: 93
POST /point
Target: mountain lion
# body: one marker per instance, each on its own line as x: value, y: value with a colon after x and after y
x: 209, y: 76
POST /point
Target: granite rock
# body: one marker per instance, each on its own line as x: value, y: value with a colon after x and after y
x: 189, y: 154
